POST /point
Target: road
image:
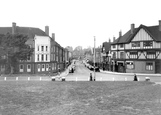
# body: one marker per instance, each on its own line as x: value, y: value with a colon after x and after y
x: 82, y: 74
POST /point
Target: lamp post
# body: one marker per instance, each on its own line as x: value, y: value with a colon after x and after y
x: 94, y: 59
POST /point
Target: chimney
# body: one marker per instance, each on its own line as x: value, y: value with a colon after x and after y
x: 109, y: 40
x: 113, y: 39
x: 132, y: 28
x: 159, y: 25
x: 47, y: 30
x: 53, y: 36
x: 13, y: 27
x: 120, y: 33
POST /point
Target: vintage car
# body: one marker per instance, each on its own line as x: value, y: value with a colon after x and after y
x: 58, y: 78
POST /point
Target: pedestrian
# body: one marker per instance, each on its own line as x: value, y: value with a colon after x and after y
x: 135, y: 77
x: 90, y: 77
x: 58, y: 70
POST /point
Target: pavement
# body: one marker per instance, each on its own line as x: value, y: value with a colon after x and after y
x: 143, y: 74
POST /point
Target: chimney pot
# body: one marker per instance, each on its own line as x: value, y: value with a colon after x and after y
x: 53, y: 36
x: 109, y: 40
x: 120, y: 33
x: 132, y: 28
x: 47, y: 30
x: 159, y: 25
x: 113, y: 39
x: 13, y: 27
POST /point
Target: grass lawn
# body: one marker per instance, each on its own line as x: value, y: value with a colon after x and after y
x: 79, y: 98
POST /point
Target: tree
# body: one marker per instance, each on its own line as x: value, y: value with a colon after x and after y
x: 15, y: 48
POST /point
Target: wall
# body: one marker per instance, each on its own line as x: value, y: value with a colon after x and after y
x: 139, y: 67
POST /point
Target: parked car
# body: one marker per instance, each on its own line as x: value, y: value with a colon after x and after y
x: 57, y: 78
x: 72, y: 69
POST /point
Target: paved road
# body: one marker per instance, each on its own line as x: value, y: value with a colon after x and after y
x: 82, y: 74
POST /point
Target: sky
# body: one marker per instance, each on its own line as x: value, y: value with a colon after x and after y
x: 76, y: 22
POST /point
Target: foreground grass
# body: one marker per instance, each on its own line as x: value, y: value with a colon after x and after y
x: 79, y: 98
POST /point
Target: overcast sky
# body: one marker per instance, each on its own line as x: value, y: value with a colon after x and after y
x: 75, y: 22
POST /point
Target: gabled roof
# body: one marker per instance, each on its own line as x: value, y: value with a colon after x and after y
x: 153, y: 31
x: 107, y: 46
x: 125, y: 38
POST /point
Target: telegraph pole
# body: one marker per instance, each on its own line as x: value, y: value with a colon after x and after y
x: 94, y: 59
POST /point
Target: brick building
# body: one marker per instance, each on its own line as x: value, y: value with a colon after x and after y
x: 48, y: 55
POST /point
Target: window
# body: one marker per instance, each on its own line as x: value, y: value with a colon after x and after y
x: 38, y: 67
x: 42, y: 57
x: 149, y: 66
x: 130, y: 65
x: 135, y: 45
x: 53, y: 66
x: 54, y: 57
x: 51, y: 49
x: 122, y: 55
x: 46, y: 48
x: 28, y: 68
x: 42, y: 48
x: 46, y: 57
x: 54, y: 48
x: 47, y: 67
x: 114, y: 55
x: 114, y: 46
x: 38, y: 58
x: 57, y: 50
x: 147, y: 44
x: 43, y: 67
x: 37, y: 48
x: 21, y: 68
x: 151, y: 55
x: 121, y: 45
x: 133, y: 55
x: 51, y: 57
x: 28, y: 58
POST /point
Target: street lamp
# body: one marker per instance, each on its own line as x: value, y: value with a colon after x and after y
x: 94, y: 59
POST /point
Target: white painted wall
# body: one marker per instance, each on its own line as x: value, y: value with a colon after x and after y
x: 142, y: 35
x: 42, y: 41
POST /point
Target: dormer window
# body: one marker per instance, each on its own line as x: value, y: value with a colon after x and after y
x: 135, y: 45
x: 147, y: 44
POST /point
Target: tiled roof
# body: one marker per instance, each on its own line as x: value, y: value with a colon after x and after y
x: 125, y: 38
x: 30, y: 31
x: 153, y: 31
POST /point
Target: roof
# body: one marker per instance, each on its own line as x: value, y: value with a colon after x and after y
x: 30, y: 31
x: 107, y: 46
x: 153, y: 31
